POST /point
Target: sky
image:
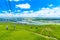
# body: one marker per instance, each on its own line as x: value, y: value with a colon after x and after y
x: 30, y: 8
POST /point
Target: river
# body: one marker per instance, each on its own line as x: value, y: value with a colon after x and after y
x: 39, y: 22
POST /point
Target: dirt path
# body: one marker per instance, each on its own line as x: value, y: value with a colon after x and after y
x: 42, y: 35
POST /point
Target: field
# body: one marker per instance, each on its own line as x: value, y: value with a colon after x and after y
x: 18, y: 31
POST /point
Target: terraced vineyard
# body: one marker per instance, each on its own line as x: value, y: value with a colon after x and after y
x: 29, y: 32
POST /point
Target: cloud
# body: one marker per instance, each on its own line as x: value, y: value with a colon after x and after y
x: 10, y: 0
x: 50, y: 5
x: 44, y: 12
x: 18, y: 10
x: 6, y: 15
x: 23, y: 6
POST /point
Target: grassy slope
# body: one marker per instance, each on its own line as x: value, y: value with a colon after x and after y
x: 18, y: 34
x: 21, y: 34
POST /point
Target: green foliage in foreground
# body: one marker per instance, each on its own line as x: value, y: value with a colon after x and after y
x: 24, y: 31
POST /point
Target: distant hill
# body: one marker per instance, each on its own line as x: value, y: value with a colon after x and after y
x: 25, y: 18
